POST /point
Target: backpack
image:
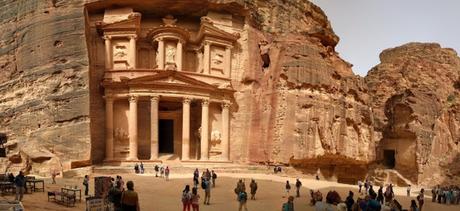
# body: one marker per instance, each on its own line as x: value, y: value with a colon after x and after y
x: 242, y: 196
x: 203, y: 184
x: 214, y: 176
x: 286, y: 207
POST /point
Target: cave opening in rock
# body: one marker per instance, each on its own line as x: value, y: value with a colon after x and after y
x: 389, y: 158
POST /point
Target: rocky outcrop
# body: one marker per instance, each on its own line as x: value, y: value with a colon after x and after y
x: 43, y: 85
x: 415, y: 103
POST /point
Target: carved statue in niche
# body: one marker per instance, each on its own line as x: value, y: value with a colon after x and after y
x: 217, y: 59
x: 215, y: 137
x: 170, y: 54
x: 199, y: 55
x: 120, y: 135
x: 169, y: 20
x: 119, y: 52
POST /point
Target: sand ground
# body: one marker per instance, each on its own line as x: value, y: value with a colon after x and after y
x: 156, y: 194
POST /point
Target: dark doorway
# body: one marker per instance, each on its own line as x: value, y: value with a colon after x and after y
x: 166, y: 136
x: 389, y: 158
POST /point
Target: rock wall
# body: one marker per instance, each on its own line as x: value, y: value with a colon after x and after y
x: 415, y: 101
x: 43, y: 85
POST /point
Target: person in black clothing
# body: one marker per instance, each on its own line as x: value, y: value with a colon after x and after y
x: 349, y: 201
x: 20, y: 182
x: 380, y: 195
x: 115, y: 196
x: 298, y: 184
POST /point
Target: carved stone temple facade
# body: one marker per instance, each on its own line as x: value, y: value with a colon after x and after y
x: 166, y: 86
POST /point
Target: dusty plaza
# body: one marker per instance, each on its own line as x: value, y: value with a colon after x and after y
x: 250, y: 89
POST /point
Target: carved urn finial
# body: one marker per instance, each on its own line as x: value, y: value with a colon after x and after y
x: 169, y: 20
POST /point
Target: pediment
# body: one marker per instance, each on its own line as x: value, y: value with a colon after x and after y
x: 121, y: 19
x: 171, y: 78
x: 208, y: 30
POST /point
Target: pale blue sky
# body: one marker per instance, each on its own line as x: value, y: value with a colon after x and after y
x: 366, y: 27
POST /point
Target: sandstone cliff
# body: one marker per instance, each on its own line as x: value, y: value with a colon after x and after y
x: 415, y: 101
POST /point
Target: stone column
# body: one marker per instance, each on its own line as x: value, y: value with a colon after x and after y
x: 132, y: 124
x: 228, y: 61
x: 204, y: 129
x: 161, y: 54
x: 154, y: 101
x: 207, y: 58
x: 108, y: 128
x: 179, y: 55
x: 108, y: 53
x: 225, y: 130
x: 132, y: 56
x: 186, y: 129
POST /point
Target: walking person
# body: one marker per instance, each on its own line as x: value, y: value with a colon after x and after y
x: 162, y: 171
x: 288, y: 188
x: 195, y: 200
x: 240, y: 186
x: 136, y: 168
x: 242, y: 199
x: 289, y: 205
x: 253, y: 187
x: 380, y: 195
x: 408, y: 190
x: 298, y: 184
x: 114, y: 196
x: 186, y: 198
x: 433, y: 193
x: 142, y: 168
x: 167, y: 173
x: 196, y: 176
x: 421, y: 199
x: 207, y: 191
x: 129, y: 198
x: 360, y: 185
x: 413, y: 206
x: 53, y: 176
x: 86, y: 184
x: 20, y: 183
x: 214, y: 177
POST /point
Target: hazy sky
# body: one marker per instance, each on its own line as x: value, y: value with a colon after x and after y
x: 366, y: 27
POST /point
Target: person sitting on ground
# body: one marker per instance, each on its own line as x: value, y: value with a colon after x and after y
x: 289, y: 205
x: 129, y: 198
x: 253, y: 187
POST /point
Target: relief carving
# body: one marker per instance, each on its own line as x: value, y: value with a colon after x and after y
x: 170, y: 54
x: 217, y: 59
x: 119, y: 52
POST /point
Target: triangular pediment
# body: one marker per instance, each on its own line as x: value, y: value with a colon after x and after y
x: 173, y: 78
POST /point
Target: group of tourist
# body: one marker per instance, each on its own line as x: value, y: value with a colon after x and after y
x: 123, y: 199
x: 191, y: 199
x: 446, y: 195
x: 160, y: 170
x: 242, y: 196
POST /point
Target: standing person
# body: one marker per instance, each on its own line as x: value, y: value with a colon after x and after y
x: 289, y: 205
x: 142, y: 168
x: 129, y: 198
x: 421, y: 199
x: 413, y: 206
x: 433, y: 193
x: 207, y: 192
x: 242, y: 199
x: 186, y: 198
x: 195, y: 200
x: 86, y: 184
x: 156, y: 168
x: 214, y: 177
x: 122, y: 184
x: 240, y: 186
x: 360, y: 185
x: 162, y: 171
x: 288, y: 188
x: 114, y: 196
x: 196, y: 176
x: 408, y: 190
x: 19, y: 183
x: 53, y: 176
x: 298, y: 184
x: 349, y: 201
x: 167, y: 173
x: 253, y: 187
x: 380, y: 195
x: 136, y: 168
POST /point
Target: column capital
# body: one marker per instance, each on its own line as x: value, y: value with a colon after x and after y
x: 132, y: 98
x: 154, y: 98
x: 205, y: 102
x: 133, y: 36
x: 109, y: 97
x: 228, y: 47
x: 158, y: 39
x: 187, y: 100
x: 107, y: 37
x: 226, y: 104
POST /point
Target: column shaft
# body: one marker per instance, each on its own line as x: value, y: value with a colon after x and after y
x: 206, y: 58
x: 108, y: 128
x: 204, y: 130
x: 179, y: 56
x: 132, y: 124
x: 186, y: 129
x: 108, y: 53
x: 225, y: 131
x: 154, y: 101
x: 228, y: 62
x: 132, y: 53
x: 161, y: 54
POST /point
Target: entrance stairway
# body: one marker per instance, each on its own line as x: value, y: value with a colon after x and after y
x: 388, y: 176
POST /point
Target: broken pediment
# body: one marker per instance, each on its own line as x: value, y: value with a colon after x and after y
x: 120, y: 19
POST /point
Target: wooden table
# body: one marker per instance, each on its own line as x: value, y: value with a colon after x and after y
x: 73, y: 190
x: 33, y: 184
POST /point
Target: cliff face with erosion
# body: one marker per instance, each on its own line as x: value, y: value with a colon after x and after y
x: 415, y: 98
